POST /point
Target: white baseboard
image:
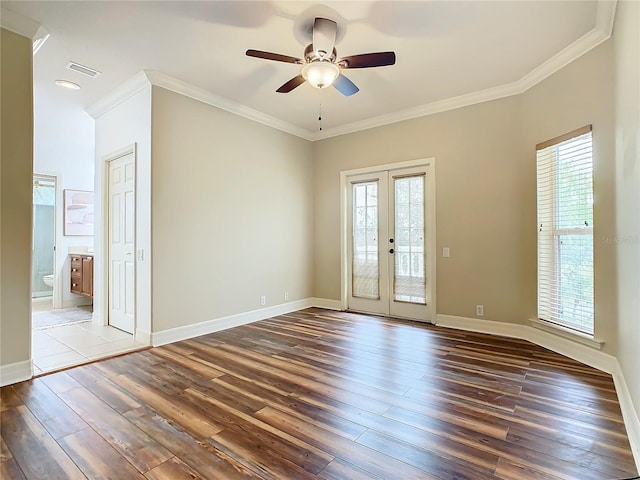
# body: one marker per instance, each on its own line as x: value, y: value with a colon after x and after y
x: 510, y: 330
x: 629, y: 414
x: 564, y: 346
x: 326, y: 303
x: 588, y: 355
x: 582, y: 353
x: 75, y: 302
x: 210, y: 326
x: 15, y: 372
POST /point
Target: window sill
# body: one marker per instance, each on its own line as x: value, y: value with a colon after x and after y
x: 567, y: 333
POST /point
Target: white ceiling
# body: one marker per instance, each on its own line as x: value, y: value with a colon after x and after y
x: 449, y: 53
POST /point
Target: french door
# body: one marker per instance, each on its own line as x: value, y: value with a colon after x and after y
x: 391, y: 242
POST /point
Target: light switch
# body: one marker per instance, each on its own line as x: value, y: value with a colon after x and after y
x: 445, y: 252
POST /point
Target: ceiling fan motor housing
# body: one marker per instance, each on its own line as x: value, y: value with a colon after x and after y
x: 311, y: 55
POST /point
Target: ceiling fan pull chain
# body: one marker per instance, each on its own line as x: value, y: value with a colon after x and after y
x: 320, y: 116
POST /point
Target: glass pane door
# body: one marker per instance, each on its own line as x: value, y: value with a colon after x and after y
x: 365, y: 261
x: 409, y: 283
x: 368, y: 266
x: 44, y: 230
x: 390, y: 243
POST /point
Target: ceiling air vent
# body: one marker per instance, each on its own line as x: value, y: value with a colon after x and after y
x: 76, y: 67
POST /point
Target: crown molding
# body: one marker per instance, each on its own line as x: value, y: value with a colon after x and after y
x: 151, y: 77
x: 178, y: 86
x: 17, y: 23
x: 423, y: 110
x: 125, y: 91
x: 563, y: 58
x: 605, y: 15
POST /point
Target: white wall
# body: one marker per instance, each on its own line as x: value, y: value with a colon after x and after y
x: 127, y: 123
x: 627, y: 174
x: 64, y: 147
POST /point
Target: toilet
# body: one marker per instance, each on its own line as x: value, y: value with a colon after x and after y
x: 48, y: 280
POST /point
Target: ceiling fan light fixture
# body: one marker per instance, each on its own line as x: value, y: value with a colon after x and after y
x: 320, y: 74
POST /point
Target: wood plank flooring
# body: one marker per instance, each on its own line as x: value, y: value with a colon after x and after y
x: 322, y: 395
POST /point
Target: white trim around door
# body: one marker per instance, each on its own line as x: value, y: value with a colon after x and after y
x: 383, y: 178
x: 127, y: 274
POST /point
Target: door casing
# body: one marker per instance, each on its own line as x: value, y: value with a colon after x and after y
x: 430, y: 239
x: 130, y: 150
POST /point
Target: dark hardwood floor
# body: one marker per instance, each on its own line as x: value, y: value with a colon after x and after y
x: 319, y: 394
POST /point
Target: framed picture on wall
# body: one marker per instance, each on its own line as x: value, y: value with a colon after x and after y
x: 78, y: 212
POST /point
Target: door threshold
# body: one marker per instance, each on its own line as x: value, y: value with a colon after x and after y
x: 92, y: 360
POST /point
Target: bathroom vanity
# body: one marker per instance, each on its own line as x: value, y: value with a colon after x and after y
x: 82, y: 274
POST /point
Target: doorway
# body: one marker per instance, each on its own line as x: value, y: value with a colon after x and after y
x: 43, y: 242
x: 60, y: 337
x: 389, y: 240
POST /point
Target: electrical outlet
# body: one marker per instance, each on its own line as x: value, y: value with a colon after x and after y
x: 286, y: 296
x: 263, y: 300
x: 445, y: 252
x: 479, y: 310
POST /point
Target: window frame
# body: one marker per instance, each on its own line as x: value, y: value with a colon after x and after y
x: 550, y: 290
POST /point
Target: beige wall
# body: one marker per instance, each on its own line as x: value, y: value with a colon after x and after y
x: 482, y: 197
x: 578, y: 95
x: 232, y: 210
x: 16, y: 177
x: 485, y: 191
x: 627, y: 169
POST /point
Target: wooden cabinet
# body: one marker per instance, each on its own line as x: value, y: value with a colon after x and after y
x: 82, y: 275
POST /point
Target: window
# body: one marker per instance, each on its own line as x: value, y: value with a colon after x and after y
x: 565, y: 230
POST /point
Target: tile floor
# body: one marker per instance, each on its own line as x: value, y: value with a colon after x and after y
x: 42, y: 304
x: 62, y: 346
x: 61, y: 316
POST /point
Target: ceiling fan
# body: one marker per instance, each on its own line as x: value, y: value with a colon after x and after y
x: 321, y: 66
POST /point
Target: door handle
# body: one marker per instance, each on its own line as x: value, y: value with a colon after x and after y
x: 391, y: 250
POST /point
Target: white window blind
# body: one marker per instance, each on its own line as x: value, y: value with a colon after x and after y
x: 565, y: 230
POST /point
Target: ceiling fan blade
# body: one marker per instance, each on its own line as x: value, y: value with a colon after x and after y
x: 345, y: 86
x: 366, y: 60
x: 273, y: 56
x: 291, y: 84
x: 324, y: 35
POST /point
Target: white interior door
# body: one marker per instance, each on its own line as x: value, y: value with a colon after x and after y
x: 122, y: 243
x: 391, y: 243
